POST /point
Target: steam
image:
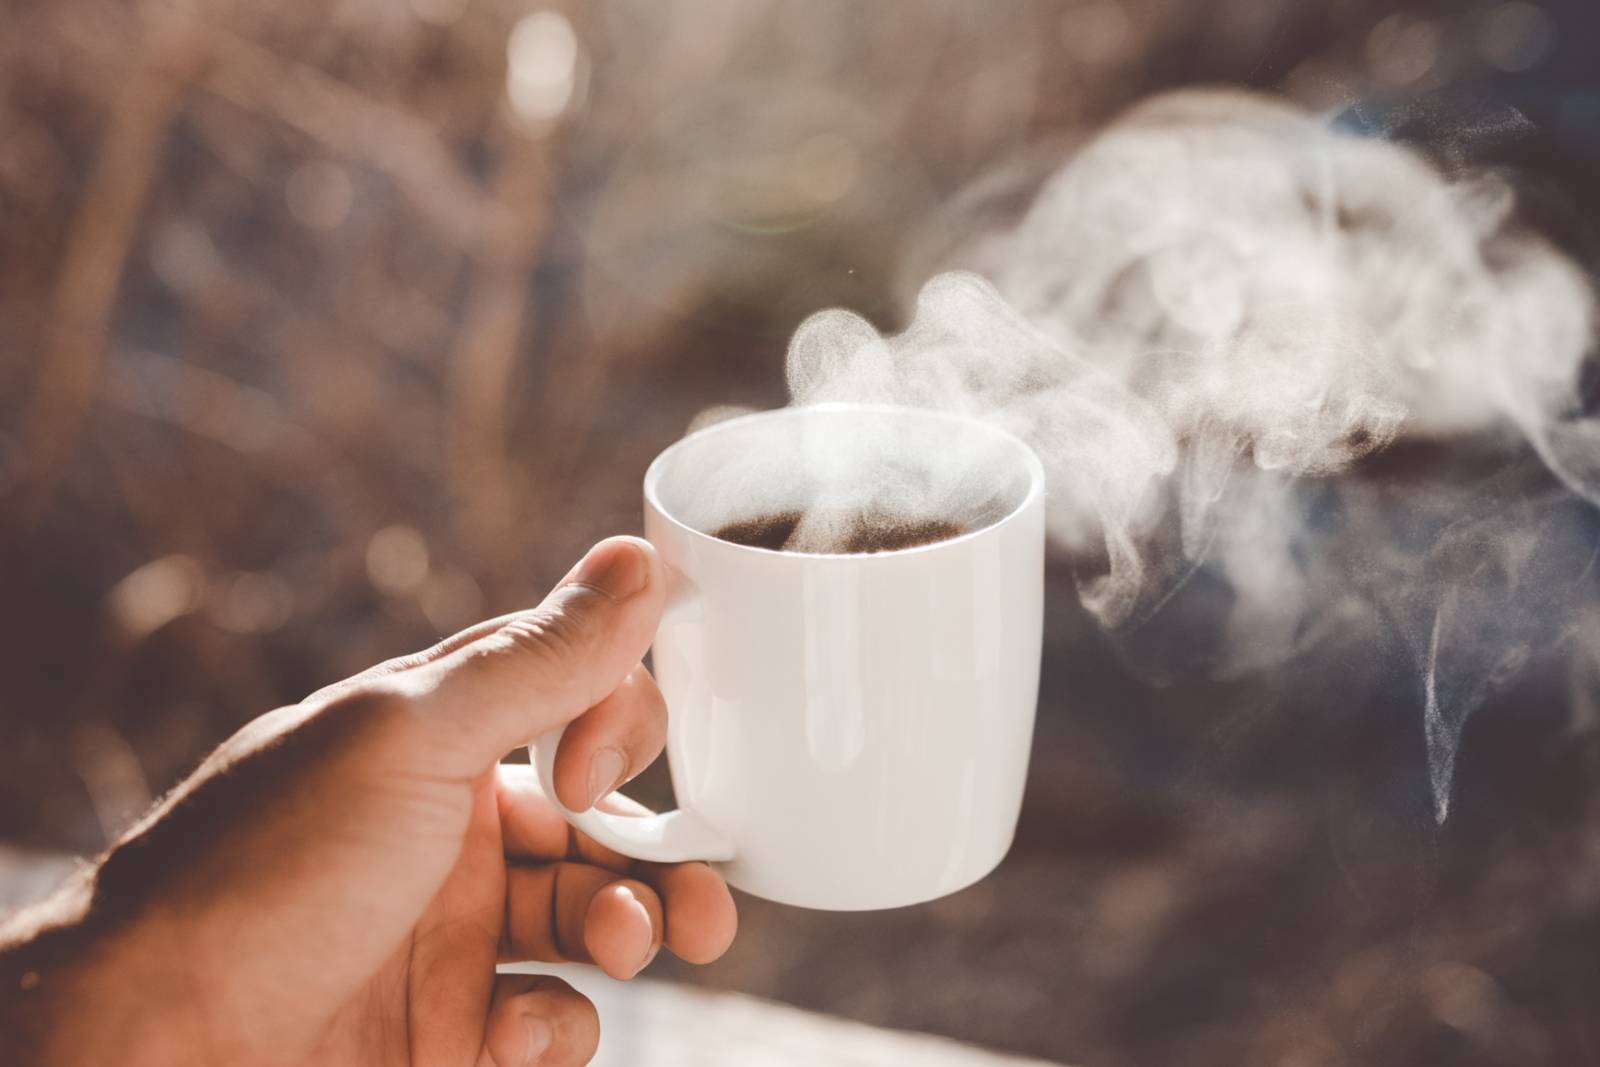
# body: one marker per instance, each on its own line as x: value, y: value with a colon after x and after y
x: 1221, y: 301
x: 835, y: 482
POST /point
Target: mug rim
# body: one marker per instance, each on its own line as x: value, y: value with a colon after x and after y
x: 1035, y: 468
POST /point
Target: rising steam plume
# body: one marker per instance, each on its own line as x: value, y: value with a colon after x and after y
x: 1218, y: 303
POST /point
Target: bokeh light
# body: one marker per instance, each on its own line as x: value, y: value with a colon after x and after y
x: 1402, y: 48
x: 542, y: 67
x: 250, y: 602
x: 397, y: 560
x: 1516, y: 36
x: 156, y: 593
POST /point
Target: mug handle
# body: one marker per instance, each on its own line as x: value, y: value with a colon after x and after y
x: 668, y: 837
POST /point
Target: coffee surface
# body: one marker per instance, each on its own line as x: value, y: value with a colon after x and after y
x: 859, y: 534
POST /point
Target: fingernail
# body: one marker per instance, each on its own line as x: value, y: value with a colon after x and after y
x: 650, y: 946
x: 650, y: 954
x: 615, y: 567
x: 606, y: 770
x: 540, y: 1037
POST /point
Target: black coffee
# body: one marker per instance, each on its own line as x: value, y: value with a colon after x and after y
x: 862, y: 533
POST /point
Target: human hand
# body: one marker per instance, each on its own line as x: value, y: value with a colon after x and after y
x: 336, y: 882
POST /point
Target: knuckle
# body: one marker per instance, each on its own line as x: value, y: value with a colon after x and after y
x: 579, y: 1023
x: 641, y: 688
x: 570, y: 1014
x: 546, y: 651
x: 543, y: 633
x: 557, y: 639
x: 653, y: 704
x: 635, y: 714
x: 573, y: 1013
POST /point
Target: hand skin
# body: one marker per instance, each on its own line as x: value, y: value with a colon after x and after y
x: 335, y: 884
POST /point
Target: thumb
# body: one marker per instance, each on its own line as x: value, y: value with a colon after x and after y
x: 540, y: 668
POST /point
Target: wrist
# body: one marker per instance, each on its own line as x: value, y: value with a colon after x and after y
x: 78, y: 987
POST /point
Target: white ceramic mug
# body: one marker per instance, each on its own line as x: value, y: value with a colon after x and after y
x: 845, y: 731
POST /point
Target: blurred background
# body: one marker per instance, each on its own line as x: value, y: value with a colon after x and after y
x: 328, y: 328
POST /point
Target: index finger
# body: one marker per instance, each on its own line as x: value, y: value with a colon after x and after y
x: 532, y: 827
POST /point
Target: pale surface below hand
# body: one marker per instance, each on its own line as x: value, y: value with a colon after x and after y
x: 653, y: 1024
